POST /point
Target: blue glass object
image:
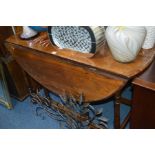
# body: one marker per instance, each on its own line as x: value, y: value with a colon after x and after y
x: 38, y: 28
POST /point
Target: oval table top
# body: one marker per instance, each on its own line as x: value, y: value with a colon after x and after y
x: 65, y: 71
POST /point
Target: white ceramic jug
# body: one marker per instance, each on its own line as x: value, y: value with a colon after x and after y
x: 28, y: 33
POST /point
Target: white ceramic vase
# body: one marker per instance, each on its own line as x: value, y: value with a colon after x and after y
x: 150, y: 37
x: 125, y: 42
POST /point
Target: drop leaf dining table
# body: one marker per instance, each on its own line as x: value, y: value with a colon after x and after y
x: 97, y: 77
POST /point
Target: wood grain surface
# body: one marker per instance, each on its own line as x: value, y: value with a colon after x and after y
x: 103, y: 62
x: 147, y: 79
x: 60, y: 76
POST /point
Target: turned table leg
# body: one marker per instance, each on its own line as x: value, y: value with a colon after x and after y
x: 117, y: 103
x: 117, y: 111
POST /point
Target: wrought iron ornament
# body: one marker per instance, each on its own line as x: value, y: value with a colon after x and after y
x: 69, y: 112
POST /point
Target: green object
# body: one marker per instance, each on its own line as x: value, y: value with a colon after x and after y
x: 5, y: 98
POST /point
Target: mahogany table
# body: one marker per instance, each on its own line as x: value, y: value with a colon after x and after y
x: 143, y: 102
x: 97, y: 77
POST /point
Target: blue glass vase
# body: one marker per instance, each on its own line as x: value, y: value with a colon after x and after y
x: 38, y: 28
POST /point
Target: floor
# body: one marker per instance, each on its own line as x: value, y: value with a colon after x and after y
x: 23, y: 115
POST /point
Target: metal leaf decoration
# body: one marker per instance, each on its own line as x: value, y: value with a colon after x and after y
x: 70, y: 112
